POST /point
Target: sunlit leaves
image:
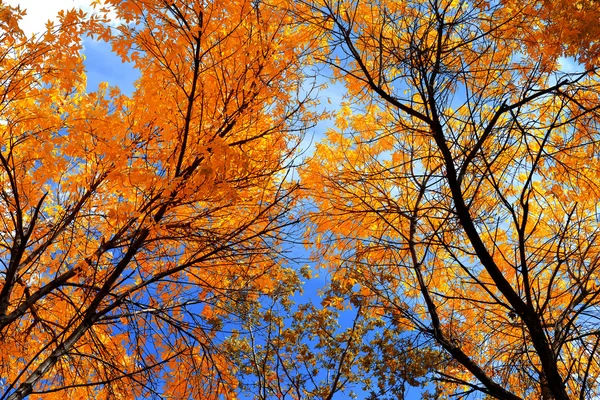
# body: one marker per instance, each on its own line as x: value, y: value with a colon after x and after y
x: 459, y: 190
x: 451, y: 201
x: 136, y: 227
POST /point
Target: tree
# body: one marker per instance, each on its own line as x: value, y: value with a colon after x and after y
x: 458, y: 192
x: 453, y: 205
x: 326, y: 351
x: 137, y: 228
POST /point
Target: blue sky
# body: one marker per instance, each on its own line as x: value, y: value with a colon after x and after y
x: 104, y: 66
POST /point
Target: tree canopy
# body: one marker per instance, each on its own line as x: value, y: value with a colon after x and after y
x: 152, y: 243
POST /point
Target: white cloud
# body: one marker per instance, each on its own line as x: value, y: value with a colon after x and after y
x: 39, y: 12
x: 570, y: 65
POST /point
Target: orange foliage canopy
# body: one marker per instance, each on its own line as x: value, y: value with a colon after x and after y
x: 134, y: 227
x: 453, y: 204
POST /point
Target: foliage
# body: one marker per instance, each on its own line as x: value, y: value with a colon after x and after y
x: 149, y: 242
x: 459, y: 187
x: 134, y: 226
